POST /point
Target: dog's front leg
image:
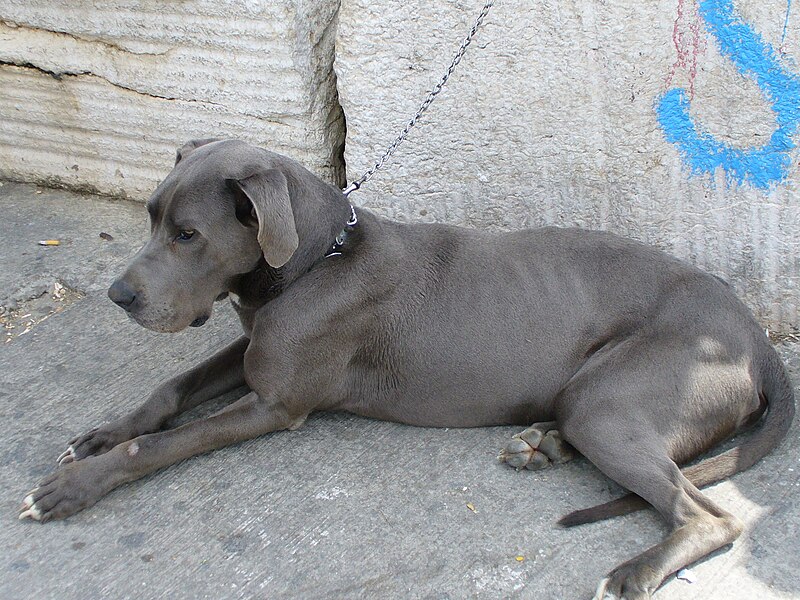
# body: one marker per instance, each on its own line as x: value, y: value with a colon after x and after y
x: 213, y: 377
x: 80, y: 484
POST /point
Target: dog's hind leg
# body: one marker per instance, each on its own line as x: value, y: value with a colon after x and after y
x: 539, y: 446
x: 636, y: 410
x: 698, y: 526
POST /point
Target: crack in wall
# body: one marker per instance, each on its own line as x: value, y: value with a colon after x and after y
x: 335, y: 110
x: 85, y: 39
x: 316, y: 26
x: 338, y: 144
x: 60, y: 75
x: 283, y: 119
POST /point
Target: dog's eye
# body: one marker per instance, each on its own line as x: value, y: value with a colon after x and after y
x: 185, y: 235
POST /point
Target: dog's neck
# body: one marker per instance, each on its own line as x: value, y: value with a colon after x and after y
x: 321, y: 214
x: 259, y: 286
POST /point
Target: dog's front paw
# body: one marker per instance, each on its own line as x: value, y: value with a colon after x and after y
x: 61, y: 494
x: 95, y: 441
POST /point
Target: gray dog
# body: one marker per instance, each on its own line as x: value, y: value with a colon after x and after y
x: 633, y: 358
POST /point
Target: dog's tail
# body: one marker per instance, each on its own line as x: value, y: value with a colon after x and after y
x: 777, y: 389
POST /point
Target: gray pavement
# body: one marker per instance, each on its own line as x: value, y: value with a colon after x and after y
x: 342, y: 508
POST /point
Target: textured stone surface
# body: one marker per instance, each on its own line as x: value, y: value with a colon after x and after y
x: 552, y: 118
x: 99, y: 97
x: 341, y: 508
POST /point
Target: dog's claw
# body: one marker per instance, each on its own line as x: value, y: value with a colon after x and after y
x: 601, y: 589
x: 600, y: 593
x: 32, y: 512
x: 67, y: 456
x: 29, y: 508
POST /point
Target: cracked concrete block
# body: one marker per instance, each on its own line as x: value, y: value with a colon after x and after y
x: 99, y: 98
x: 572, y: 113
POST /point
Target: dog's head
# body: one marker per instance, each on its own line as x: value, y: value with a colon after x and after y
x: 224, y: 206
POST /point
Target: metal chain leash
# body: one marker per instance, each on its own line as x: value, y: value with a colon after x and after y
x: 424, y: 106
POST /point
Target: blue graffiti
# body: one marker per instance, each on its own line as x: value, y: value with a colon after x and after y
x: 760, y: 166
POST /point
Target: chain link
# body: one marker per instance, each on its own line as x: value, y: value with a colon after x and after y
x: 425, y: 104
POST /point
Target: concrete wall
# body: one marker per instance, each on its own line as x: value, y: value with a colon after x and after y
x: 672, y: 121
x: 100, y: 96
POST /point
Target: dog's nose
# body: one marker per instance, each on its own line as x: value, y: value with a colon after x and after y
x: 122, y: 294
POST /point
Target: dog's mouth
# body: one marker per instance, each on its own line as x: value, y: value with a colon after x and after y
x: 164, y: 327
x: 199, y: 321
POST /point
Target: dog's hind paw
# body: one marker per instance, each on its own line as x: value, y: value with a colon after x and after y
x: 628, y: 582
x: 537, y: 447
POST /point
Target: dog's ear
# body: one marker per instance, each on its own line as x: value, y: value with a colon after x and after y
x: 190, y: 147
x: 268, y: 193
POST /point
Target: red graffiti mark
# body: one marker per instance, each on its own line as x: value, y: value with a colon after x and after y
x: 689, y: 42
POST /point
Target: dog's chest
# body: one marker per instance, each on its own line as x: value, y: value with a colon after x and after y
x: 246, y: 315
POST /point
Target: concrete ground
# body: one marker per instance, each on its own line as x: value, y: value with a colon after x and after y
x: 342, y: 508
